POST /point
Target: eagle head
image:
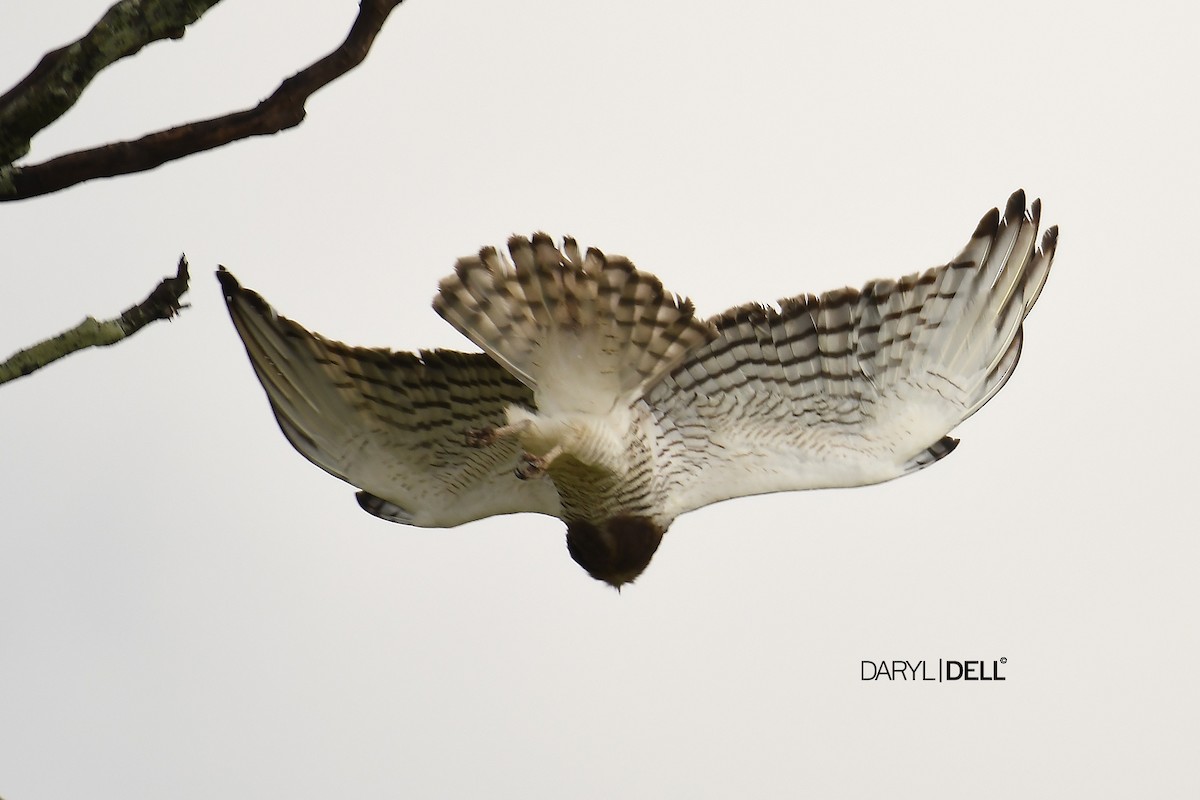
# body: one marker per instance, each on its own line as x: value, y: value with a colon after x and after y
x: 617, y: 550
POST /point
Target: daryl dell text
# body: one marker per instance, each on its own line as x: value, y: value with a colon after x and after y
x: 947, y: 670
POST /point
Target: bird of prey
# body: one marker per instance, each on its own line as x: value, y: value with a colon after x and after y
x: 603, y: 400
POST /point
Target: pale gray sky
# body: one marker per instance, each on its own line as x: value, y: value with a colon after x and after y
x: 189, y: 609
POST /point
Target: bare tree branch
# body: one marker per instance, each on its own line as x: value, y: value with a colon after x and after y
x: 163, y: 303
x: 283, y: 109
x: 61, y: 76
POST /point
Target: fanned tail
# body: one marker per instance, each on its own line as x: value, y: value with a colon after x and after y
x: 583, y: 331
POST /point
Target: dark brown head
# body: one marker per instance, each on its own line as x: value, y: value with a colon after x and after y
x: 617, y: 551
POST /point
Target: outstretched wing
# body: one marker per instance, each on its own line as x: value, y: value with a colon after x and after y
x: 392, y: 424
x: 855, y: 386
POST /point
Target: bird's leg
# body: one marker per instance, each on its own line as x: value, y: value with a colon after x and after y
x: 532, y: 466
x: 482, y: 437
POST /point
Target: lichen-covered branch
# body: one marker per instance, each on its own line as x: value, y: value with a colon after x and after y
x: 163, y: 303
x: 283, y: 109
x: 61, y: 76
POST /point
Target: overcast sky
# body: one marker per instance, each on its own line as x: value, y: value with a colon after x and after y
x: 189, y: 609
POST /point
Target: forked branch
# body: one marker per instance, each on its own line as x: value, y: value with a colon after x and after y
x: 283, y: 109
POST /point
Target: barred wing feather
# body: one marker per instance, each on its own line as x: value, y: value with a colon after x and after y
x: 851, y: 387
x: 391, y: 424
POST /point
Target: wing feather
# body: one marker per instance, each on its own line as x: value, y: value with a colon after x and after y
x: 851, y: 387
x: 391, y: 424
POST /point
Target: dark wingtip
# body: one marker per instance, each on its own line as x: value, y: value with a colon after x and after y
x: 1050, y: 239
x: 229, y: 284
x: 238, y: 298
x: 1015, y: 208
x: 987, y: 226
x: 237, y: 295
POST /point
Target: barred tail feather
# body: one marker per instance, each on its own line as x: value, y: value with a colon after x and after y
x: 550, y: 310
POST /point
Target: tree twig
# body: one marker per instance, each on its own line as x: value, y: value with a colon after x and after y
x: 163, y: 303
x: 59, y: 79
x: 283, y: 109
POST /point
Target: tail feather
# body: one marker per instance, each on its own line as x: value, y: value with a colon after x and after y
x: 550, y: 309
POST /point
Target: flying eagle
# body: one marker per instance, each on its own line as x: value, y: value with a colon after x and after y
x: 603, y: 400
